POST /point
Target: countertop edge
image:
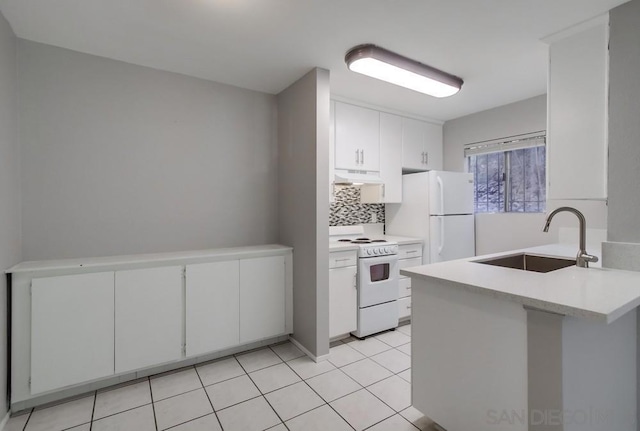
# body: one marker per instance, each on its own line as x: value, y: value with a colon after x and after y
x: 534, y: 303
x: 195, y: 256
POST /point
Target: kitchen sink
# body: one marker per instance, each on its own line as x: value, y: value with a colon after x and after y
x: 529, y: 262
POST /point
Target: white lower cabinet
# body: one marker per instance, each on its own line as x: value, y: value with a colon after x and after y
x: 262, y: 298
x: 148, y: 322
x: 343, y: 301
x: 71, y: 330
x: 212, y: 306
x: 408, y: 255
x: 404, y: 307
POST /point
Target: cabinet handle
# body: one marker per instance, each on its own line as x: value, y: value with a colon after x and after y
x: 423, y: 157
x: 342, y: 260
x: 426, y: 157
x: 357, y: 157
x: 411, y: 251
x: 408, y: 307
x: 383, y: 191
x: 355, y: 280
x: 362, y: 156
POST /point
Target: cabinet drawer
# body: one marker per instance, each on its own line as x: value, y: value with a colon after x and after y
x: 340, y: 259
x: 404, y: 307
x: 404, y: 287
x: 408, y: 251
x: 408, y: 263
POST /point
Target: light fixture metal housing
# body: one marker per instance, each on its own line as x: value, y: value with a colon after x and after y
x: 380, y: 63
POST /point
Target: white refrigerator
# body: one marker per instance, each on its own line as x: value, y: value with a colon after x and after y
x: 437, y: 206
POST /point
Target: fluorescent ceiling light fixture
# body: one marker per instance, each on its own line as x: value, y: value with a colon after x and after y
x: 377, y: 62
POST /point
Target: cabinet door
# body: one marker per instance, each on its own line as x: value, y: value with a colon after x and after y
x: 433, y: 146
x: 213, y: 306
x: 148, y: 317
x: 71, y: 330
x: 413, y: 144
x: 262, y: 296
x: 343, y: 301
x: 391, y: 157
x: 332, y: 147
x: 577, y: 117
x: 357, y: 139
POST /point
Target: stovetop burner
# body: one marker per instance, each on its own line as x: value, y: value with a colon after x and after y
x: 361, y: 241
x: 344, y: 240
x: 378, y: 240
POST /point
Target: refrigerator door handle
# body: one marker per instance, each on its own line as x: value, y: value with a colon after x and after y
x: 441, y: 185
x: 441, y: 247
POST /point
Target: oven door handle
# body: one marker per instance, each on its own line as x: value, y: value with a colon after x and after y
x: 379, y: 259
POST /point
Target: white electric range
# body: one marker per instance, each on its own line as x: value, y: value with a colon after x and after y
x: 377, y: 279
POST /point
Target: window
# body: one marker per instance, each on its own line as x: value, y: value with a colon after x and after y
x: 509, y: 174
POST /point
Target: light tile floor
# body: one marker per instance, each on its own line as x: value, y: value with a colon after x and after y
x: 365, y: 384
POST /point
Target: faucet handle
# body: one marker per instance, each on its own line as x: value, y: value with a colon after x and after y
x: 590, y: 257
x: 583, y: 259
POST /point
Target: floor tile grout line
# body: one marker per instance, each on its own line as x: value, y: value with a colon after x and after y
x: 190, y: 420
x: 93, y: 410
x: 28, y: 419
x: 177, y: 395
x: 123, y: 411
x: 208, y: 398
x: 259, y: 390
x: 239, y: 402
x: 153, y: 406
x: 314, y: 391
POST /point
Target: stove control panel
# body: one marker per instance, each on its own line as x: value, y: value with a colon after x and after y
x: 373, y: 250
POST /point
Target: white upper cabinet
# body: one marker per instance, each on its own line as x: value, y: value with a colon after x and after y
x: 421, y: 145
x: 148, y: 310
x: 71, y: 330
x: 332, y: 148
x: 577, y: 113
x: 391, y: 157
x: 357, y: 138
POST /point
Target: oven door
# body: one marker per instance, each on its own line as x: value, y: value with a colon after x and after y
x: 377, y: 280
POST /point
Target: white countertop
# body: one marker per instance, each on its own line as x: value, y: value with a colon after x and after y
x: 595, y: 293
x: 182, y: 257
x: 401, y: 240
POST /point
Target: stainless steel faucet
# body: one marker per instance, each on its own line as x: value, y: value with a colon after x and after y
x: 583, y: 258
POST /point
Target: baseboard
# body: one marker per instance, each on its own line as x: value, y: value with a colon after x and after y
x: 313, y: 357
x: 4, y: 421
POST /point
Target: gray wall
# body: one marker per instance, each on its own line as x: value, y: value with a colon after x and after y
x: 10, y: 247
x: 118, y: 158
x: 499, y: 232
x: 526, y: 116
x: 624, y: 127
x: 303, y: 165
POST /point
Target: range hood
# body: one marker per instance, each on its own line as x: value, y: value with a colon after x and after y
x: 357, y: 177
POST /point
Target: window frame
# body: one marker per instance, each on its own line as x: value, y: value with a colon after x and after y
x: 506, y: 147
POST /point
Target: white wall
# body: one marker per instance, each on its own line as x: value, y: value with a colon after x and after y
x: 303, y: 165
x: 10, y: 247
x: 119, y: 158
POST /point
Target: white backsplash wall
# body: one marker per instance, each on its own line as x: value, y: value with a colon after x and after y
x: 348, y: 211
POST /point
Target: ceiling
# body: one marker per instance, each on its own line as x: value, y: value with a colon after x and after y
x: 265, y: 45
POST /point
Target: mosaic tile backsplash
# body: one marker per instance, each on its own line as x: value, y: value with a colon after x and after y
x: 348, y: 211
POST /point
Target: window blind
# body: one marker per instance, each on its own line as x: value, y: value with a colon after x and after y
x: 518, y: 142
